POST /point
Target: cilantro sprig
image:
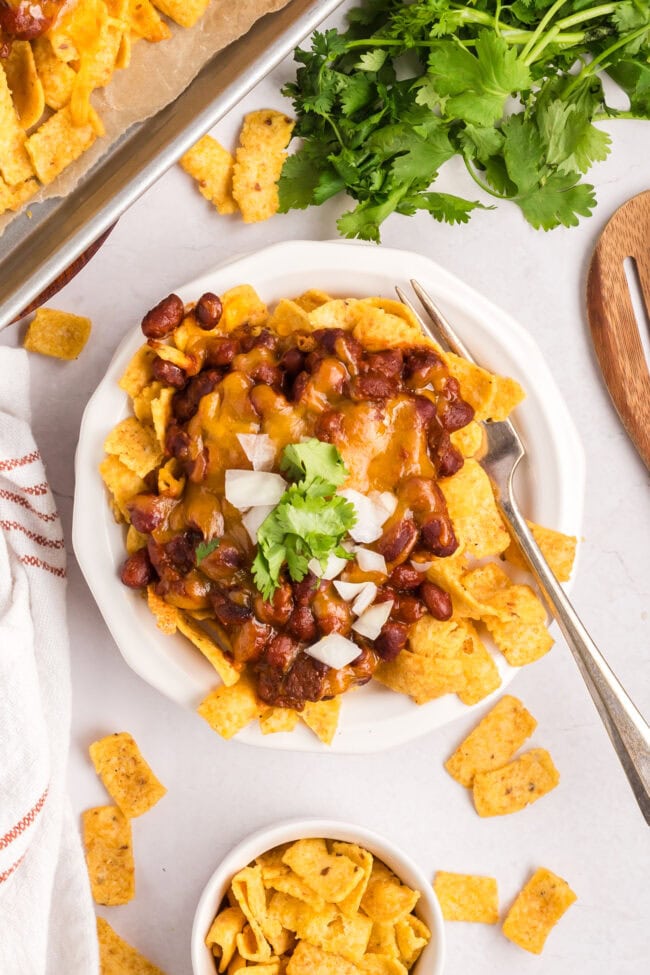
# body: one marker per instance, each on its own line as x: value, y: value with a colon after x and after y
x: 310, y: 519
x: 514, y: 90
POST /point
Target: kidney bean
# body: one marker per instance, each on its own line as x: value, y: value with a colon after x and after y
x: 186, y: 403
x: 168, y: 373
x: 372, y: 386
x: 333, y: 614
x: 265, y: 339
x: 425, y: 409
x: 267, y: 374
x: 305, y: 591
x: 227, y: 611
x: 25, y: 21
x: 398, y: 540
x: 208, y: 310
x: 421, y: 366
x: 299, y: 386
x: 137, y: 571
x: 456, y: 414
x: 405, y: 577
x: 391, y: 641
x: 223, y: 562
x: 438, y: 536
x: 446, y: 458
x: 407, y: 609
x: 250, y: 639
x: 302, y: 624
x: 438, y: 602
x: 292, y: 362
x: 164, y: 317
x: 278, y: 610
x: 388, y: 363
x: 177, y: 442
x: 149, y: 511
x: 181, y: 550
x: 221, y: 351
x: 281, y: 652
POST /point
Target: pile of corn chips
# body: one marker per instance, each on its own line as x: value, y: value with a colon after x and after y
x: 46, y: 116
x: 248, y: 183
x: 318, y: 906
x: 449, y: 657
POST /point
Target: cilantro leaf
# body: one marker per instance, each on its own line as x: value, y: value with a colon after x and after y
x: 312, y: 459
x: 310, y: 519
x: 203, y: 549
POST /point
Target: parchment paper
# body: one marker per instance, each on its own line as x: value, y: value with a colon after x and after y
x: 157, y: 74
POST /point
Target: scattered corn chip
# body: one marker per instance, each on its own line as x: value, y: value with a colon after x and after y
x: 24, y: 83
x: 58, y: 142
x: 332, y: 876
x: 135, y: 445
x: 493, y: 742
x: 517, y: 785
x: 523, y: 637
x: 479, y: 670
x: 137, y: 374
x: 57, y: 333
x: 57, y: 77
x: 275, y: 720
x: 258, y: 163
x: 322, y: 717
x: 15, y: 166
x: 146, y: 22
x: 212, y: 167
x: 222, y: 936
x: 229, y: 709
x: 465, y: 897
x: 127, y: 777
x: 13, y: 197
x: 109, y: 855
x: 309, y: 960
x: 350, y: 904
x: 537, y: 909
x: 412, y: 937
x: 210, y: 650
x: 242, y: 306
x: 116, y: 957
x: 558, y: 549
x: 474, y: 512
x: 184, y: 12
x: 122, y: 483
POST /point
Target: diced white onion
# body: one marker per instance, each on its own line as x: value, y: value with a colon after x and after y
x: 253, y: 489
x: 421, y: 566
x: 254, y: 518
x: 370, y: 516
x: 334, y: 651
x: 365, y: 598
x: 369, y: 561
x: 259, y: 450
x: 371, y: 622
x: 333, y: 567
x: 385, y: 500
x: 348, y: 590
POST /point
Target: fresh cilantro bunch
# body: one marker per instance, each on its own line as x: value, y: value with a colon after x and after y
x: 512, y: 89
x: 310, y: 519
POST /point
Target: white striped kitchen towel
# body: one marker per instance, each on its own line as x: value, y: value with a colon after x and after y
x: 47, y: 924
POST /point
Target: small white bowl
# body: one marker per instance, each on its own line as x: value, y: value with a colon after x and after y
x: 432, y: 959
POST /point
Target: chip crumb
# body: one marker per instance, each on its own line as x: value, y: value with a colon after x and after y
x: 57, y: 333
x: 466, y: 897
x: 258, y: 163
x: 117, y: 957
x: 515, y: 786
x: 537, y: 909
x: 211, y: 166
x: 128, y: 778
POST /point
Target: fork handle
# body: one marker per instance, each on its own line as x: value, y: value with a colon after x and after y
x: 625, y: 725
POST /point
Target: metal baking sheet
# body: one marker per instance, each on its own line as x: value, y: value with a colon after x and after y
x: 35, y: 252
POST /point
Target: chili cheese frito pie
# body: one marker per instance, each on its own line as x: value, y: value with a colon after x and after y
x: 303, y: 501
x: 322, y: 906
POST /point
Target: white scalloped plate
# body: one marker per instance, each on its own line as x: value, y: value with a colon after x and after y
x: 550, y: 484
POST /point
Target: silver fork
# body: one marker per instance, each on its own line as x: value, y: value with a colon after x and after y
x: 627, y: 729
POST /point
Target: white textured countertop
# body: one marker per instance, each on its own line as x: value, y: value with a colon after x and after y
x: 589, y: 830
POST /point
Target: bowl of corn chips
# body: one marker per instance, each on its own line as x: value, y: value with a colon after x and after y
x: 415, y: 695
x: 320, y: 896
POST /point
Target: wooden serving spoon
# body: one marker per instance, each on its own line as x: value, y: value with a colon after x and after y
x: 614, y: 327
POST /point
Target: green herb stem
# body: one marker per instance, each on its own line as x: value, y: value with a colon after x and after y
x: 541, y: 27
